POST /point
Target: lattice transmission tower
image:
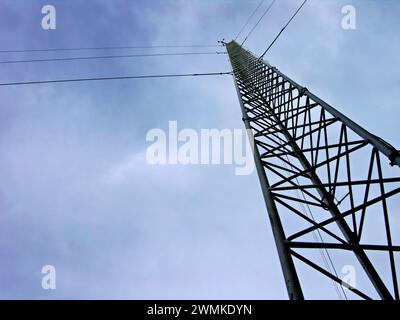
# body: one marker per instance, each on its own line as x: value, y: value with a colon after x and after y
x: 327, y: 183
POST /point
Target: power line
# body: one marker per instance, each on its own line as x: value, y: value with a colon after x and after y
x: 116, y: 78
x: 248, y: 20
x: 326, y: 257
x: 110, y: 48
x: 259, y: 20
x: 280, y: 32
x: 111, y: 57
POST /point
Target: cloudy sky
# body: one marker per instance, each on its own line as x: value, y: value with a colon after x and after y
x: 76, y: 191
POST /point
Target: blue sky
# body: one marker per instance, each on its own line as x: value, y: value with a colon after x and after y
x: 76, y: 191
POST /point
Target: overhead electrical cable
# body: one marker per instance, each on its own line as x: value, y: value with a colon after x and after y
x: 283, y: 29
x: 326, y: 257
x: 111, y: 57
x: 249, y: 19
x: 109, y: 48
x: 115, y: 78
x: 259, y: 20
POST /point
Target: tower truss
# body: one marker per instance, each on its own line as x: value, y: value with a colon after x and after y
x: 329, y: 185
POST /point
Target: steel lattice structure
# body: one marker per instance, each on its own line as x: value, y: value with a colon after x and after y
x: 325, y: 180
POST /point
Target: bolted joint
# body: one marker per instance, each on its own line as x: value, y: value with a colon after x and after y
x: 303, y: 91
x: 395, y: 158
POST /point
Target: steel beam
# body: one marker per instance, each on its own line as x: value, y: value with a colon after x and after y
x: 267, y: 98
